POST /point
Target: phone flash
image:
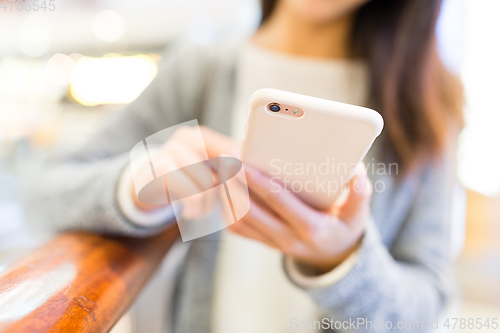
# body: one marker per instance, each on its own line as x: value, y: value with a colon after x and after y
x: 295, y: 111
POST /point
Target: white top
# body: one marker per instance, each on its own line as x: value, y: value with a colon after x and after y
x: 252, y: 293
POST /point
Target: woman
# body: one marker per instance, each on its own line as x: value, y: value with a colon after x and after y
x: 381, y: 257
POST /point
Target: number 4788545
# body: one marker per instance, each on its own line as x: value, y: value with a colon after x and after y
x: 28, y: 5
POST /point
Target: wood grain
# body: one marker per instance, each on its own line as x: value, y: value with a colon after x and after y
x: 79, y: 282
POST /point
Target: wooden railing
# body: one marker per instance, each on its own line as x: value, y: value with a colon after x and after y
x: 79, y: 282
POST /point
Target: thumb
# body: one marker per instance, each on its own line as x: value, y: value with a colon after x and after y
x: 357, y: 204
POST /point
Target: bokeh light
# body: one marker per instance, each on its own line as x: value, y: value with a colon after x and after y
x: 111, y: 79
x: 108, y: 26
x: 59, y: 69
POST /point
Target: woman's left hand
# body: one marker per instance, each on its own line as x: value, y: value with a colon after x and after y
x: 318, y: 239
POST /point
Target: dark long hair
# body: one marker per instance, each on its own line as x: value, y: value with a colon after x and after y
x: 419, y: 99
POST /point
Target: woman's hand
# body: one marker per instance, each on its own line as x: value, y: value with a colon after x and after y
x: 318, y: 239
x: 182, y: 148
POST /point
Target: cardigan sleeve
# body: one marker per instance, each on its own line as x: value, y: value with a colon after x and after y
x: 79, y: 190
x: 410, y: 281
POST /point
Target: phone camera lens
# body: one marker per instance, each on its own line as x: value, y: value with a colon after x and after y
x: 274, y: 107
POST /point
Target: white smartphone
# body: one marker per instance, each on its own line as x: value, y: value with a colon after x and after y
x: 310, y: 145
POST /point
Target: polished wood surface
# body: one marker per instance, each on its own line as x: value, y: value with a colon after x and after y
x: 79, y: 282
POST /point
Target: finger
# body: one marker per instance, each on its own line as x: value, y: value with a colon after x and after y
x: 182, y: 154
x: 189, y: 137
x: 243, y: 229
x: 195, y: 207
x: 181, y: 185
x: 217, y: 143
x: 214, y: 143
x: 283, y: 202
x: 358, y: 200
x: 268, y: 224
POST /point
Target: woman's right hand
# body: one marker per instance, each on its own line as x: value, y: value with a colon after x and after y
x: 181, y: 149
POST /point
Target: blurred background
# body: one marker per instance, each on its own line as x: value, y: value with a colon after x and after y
x: 66, y: 68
